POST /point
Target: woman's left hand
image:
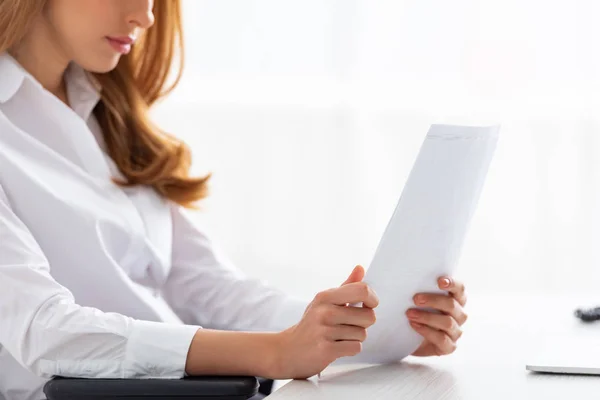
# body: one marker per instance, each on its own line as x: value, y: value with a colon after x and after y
x: 440, y: 331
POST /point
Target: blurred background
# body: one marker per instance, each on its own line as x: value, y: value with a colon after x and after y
x: 310, y: 115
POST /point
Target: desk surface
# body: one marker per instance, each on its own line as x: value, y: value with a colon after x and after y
x: 499, y: 339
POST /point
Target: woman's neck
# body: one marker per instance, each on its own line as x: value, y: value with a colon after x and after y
x: 43, y: 58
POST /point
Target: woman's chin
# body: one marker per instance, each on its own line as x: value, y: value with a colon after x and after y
x: 102, y: 65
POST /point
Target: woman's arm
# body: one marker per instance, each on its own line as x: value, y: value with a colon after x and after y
x: 48, y: 333
x: 329, y: 329
x: 204, y: 287
x: 233, y: 353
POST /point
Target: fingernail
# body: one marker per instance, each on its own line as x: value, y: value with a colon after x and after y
x: 420, y: 299
x: 416, y: 325
x: 413, y: 314
x: 445, y: 282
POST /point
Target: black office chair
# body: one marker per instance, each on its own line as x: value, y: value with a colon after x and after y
x: 190, y: 388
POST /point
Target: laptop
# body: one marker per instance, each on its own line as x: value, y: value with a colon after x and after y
x: 566, y: 354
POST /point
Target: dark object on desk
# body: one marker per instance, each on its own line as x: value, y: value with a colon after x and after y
x: 190, y: 388
x: 588, y: 314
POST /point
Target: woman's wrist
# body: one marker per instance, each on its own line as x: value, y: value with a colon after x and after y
x: 273, y: 358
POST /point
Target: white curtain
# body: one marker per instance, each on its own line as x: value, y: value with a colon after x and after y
x: 310, y: 114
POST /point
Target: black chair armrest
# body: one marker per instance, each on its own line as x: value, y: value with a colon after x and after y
x: 190, y: 388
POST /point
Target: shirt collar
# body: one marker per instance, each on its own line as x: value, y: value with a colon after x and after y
x: 12, y: 76
x: 83, y: 89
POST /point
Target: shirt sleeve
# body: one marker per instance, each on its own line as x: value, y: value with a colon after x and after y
x: 49, y: 334
x: 204, y: 287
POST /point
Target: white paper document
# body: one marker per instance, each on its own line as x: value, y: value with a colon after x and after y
x: 424, y: 237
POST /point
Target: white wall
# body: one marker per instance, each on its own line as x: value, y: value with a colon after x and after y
x: 310, y: 114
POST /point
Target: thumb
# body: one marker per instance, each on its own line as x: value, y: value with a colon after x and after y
x: 357, y: 275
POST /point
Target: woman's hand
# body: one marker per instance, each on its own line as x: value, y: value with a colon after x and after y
x: 441, y: 331
x: 329, y: 329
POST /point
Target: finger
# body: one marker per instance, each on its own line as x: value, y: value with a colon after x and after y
x: 347, y: 332
x: 442, y: 322
x: 333, y: 315
x: 455, y: 288
x: 345, y: 348
x: 442, y: 343
x: 357, y: 292
x: 444, y: 303
x: 357, y: 275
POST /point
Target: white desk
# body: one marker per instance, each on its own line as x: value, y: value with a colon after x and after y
x: 489, y: 363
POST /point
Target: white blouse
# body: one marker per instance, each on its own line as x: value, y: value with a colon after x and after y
x: 97, y: 280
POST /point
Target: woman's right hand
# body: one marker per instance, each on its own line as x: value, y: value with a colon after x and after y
x: 329, y: 329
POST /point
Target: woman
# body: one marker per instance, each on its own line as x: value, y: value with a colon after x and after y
x: 102, y: 272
